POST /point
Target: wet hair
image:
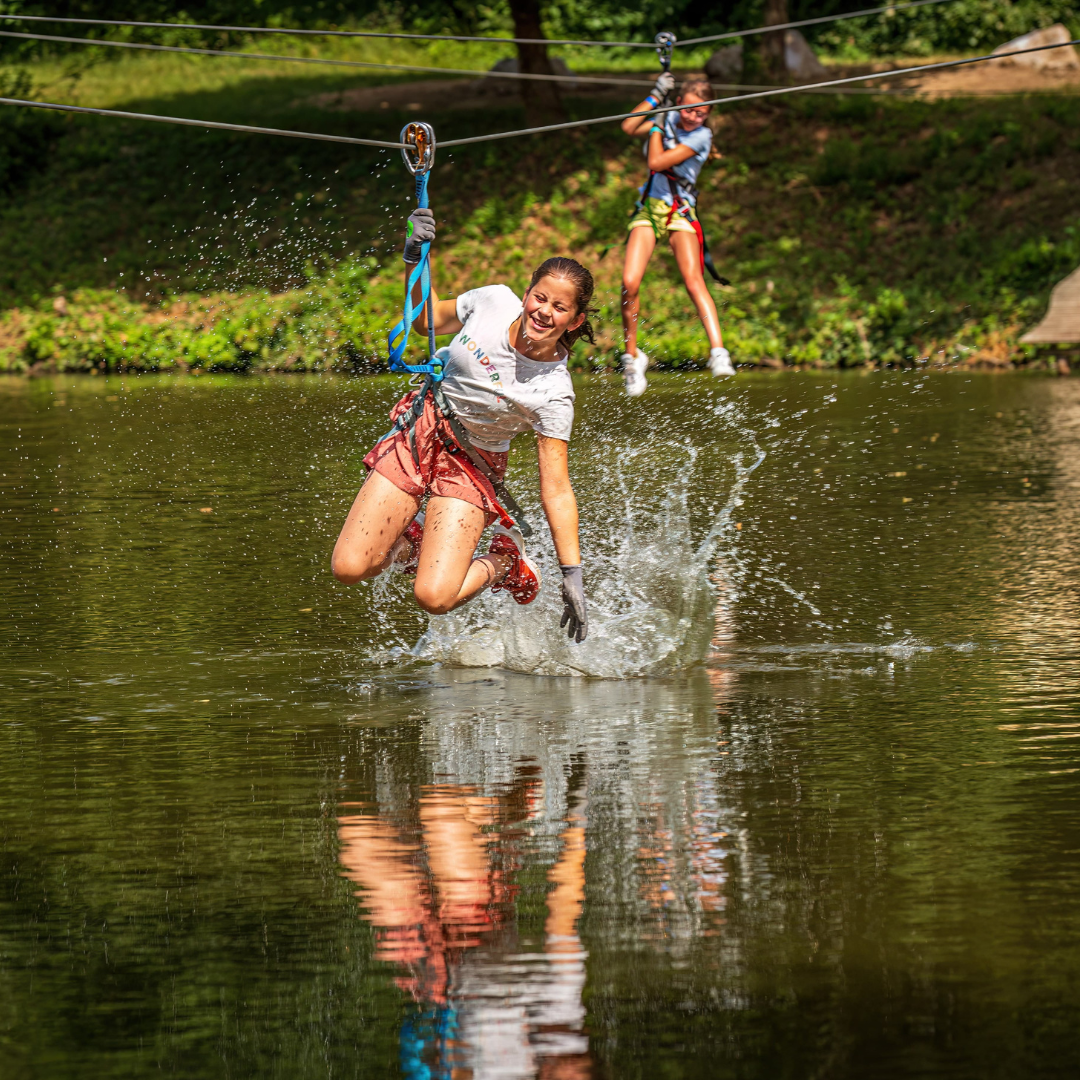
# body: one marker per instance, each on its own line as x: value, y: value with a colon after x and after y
x: 571, y: 270
x: 698, y: 87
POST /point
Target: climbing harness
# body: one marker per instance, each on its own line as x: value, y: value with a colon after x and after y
x: 681, y: 206
x: 665, y: 43
x: 504, y: 501
x: 418, y: 153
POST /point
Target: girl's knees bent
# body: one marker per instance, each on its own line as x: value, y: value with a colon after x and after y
x: 348, y: 569
x: 433, y: 599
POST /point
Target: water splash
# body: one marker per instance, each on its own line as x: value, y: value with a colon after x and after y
x: 651, y: 600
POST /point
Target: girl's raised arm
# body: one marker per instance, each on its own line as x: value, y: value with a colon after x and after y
x: 445, y: 312
x: 639, y: 125
x: 422, y: 231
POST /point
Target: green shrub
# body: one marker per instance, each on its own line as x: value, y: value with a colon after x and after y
x: 26, y: 135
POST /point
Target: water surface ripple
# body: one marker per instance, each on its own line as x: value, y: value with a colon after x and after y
x: 806, y: 804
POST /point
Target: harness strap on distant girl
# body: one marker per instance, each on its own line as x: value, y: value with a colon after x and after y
x: 677, y: 145
x: 665, y: 43
x: 680, y: 206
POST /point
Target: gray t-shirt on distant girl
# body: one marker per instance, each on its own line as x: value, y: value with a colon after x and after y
x: 495, y: 391
x: 699, y: 140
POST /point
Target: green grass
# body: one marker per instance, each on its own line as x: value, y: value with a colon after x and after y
x: 108, y: 78
x: 855, y: 230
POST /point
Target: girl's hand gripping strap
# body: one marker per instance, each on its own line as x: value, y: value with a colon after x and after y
x: 418, y: 160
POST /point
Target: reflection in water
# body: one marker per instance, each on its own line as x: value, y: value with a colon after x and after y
x: 470, y: 864
x: 844, y: 845
x: 439, y: 890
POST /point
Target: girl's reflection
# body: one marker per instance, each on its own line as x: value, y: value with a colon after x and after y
x: 442, y: 903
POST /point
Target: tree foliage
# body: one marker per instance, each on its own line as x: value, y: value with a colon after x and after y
x: 961, y: 25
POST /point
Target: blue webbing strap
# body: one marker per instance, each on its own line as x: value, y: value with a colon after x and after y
x: 420, y: 273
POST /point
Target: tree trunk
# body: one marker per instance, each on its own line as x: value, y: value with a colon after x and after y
x: 772, y: 45
x: 541, y: 99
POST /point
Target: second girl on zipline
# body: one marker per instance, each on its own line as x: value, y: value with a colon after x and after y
x: 505, y: 373
x: 677, y: 146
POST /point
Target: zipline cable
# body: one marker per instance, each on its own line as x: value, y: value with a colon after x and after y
x: 897, y: 73
x: 462, y: 37
x: 214, y: 124
x: 336, y: 33
x: 890, y: 8
x: 365, y: 64
x: 321, y: 60
x: 350, y: 140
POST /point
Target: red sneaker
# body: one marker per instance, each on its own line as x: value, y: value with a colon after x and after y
x: 522, y: 580
x: 405, y: 554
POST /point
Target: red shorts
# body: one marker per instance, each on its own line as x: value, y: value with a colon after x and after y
x: 440, y: 472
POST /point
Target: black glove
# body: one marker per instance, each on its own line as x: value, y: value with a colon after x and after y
x: 665, y: 86
x: 574, y: 612
x: 420, y: 231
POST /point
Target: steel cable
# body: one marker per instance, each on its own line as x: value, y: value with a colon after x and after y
x: 216, y: 125
x: 336, y: 33
x: 463, y: 37
x: 891, y: 8
x: 367, y: 64
x: 350, y: 140
x: 899, y: 72
x: 323, y: 60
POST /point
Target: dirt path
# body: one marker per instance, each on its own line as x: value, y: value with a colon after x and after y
x: 992, y: 77
x: 440, y: 95
x: 443, y: 94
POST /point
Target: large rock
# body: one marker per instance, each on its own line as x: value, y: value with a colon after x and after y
x: 1063, y: 59
x: 489, y: 85
x: 1061, y: 324
x: 799, y: 59
x: 726, y: 64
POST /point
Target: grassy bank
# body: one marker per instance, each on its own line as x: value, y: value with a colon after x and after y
x: 855, y: 230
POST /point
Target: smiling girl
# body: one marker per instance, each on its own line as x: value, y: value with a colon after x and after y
x: 505, y: 373
x: 676, y: 147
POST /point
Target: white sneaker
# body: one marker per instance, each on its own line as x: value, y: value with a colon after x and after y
x: 720, y: 363
x: 634, y: 373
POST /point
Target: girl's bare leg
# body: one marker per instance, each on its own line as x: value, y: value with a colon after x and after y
x: 448, y: 574
x: 380, y: 514
x: 688, y: 257
x: 639, y: 249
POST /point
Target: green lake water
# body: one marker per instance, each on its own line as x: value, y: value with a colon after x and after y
x: 806, y: 804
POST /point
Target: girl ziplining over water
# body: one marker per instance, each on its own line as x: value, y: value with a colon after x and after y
x: 504, y: 373
x: 676, y: 148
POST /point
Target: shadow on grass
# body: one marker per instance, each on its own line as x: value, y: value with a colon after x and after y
x: 156, y: 209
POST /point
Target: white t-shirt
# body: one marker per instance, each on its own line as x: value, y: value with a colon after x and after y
x: 495, y: 391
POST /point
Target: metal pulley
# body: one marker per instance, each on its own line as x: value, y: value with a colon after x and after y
x: 665, y: 44
x: 419, y: 151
